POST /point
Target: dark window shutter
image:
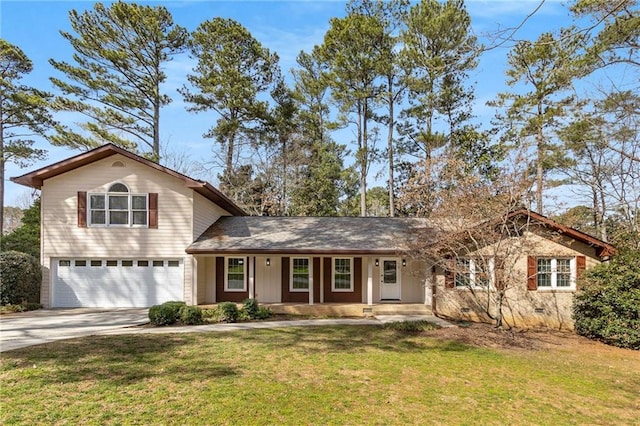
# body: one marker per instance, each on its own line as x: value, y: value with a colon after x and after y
x: 153, y: 210
x: 581, y: 266
x: 82, y: 209
x: 284, y: 269
x: 532, y: 273
x: 450, y: 274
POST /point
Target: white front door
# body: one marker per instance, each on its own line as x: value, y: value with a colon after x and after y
x: 390, y: 278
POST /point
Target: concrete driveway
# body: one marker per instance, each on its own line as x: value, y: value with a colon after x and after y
x: 46, y: 325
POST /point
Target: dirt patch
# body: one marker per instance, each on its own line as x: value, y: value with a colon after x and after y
x: 485, y: 335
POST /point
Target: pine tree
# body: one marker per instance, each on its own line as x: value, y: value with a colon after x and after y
x: 116, y: 75
x: 24, y: 112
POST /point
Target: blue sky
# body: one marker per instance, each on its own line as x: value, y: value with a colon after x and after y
x: 285, y: 27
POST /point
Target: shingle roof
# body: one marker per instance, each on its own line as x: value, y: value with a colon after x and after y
x: 340, y: 235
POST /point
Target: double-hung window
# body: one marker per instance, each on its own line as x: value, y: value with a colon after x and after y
x: 474, y: 272
x: 235, y: 274
x: 118, y: 207
x: 556, y: 273
x: 342, y: 277
x: 300, y: 274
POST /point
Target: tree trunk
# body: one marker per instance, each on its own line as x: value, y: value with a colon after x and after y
x: 1, y: 181
x: 539, y: 168
x: 363, y: 160
x: 392, y: 207
x: 229, y: 162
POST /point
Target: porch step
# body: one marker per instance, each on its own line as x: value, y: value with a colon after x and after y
x: 401, y: 309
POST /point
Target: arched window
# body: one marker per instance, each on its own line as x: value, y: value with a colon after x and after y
x: 118, y: 207
x: 118, y: 187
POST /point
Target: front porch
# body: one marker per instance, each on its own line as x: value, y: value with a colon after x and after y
x: 346, y: 309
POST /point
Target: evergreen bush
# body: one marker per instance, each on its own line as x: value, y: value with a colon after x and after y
x: 163, y: 314
x: 190, y: 315
x: 607, y: 305
x: 228, y: 312
x: 21, y: 278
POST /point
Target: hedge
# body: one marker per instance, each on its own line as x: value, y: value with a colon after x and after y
x: 21, y: 278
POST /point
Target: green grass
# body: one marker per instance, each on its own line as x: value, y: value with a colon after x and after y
x: 333, y: 375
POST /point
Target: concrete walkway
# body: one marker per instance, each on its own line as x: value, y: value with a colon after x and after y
x: 37, y: 327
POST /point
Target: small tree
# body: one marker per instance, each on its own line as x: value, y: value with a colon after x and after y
x: 25, y: 238
x: 475, y: 252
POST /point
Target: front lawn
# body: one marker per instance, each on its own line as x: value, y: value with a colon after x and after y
x: 333, y: 375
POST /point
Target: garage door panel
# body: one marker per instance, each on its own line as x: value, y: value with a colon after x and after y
x: 116, y: 286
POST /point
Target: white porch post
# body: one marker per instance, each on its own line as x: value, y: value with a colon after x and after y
x: 369, y: 281
x: 252, y: 267
x: 428, y: 284
x: 311, y: 284
x: 194, y: 280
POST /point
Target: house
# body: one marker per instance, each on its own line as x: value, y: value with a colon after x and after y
x: 121, y: 231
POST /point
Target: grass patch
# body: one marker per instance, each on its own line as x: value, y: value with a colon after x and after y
x: 411, y: 326
x: 313, y: 375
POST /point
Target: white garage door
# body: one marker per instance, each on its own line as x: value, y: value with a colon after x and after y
x: 116, y: 283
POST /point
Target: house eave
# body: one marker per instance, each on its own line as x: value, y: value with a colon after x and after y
x: 284, y: 251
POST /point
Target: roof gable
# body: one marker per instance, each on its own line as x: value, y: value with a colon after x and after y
x: 36, y: 178
x: 603, y: 249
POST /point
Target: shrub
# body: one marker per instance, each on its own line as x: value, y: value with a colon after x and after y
x: 263, y: 313
x: 410, y: 326
x: 228, y: 312
x: 211, y: 315
x: 163, y: 314
x: 250, y: 308
x: 21, y: 278
x: 190, y: 315
x: 607, y: 306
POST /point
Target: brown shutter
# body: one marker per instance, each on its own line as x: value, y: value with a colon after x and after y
x: 220, y: 279
x: 326, y: 266
x: 357, y: 277
x: 153, y: 210
x: 581, y: 266
x: 82, y: 209
x: 450, y: 274
x: 532, y: 273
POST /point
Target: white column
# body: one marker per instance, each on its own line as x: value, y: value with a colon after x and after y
x: 428, y: 284
x: 252, y: 267
x: 369, y: 281
x: 311, y: 281
x: 194, y: 280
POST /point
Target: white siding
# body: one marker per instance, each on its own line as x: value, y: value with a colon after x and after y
x: 205, y: 213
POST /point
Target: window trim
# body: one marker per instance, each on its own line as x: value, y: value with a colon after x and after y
x: 473, y: 272
x: 130, y: 210
x: 309, y: 276
x: 333, y: 275
x: 554, y: 273
x: 244, y: 274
